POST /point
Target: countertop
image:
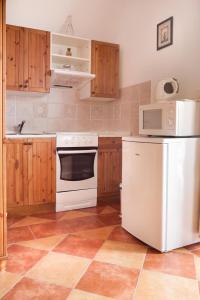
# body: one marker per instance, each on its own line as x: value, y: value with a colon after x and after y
x: 31, y: 135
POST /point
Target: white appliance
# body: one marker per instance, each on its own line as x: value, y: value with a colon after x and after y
x: 161, y: 190
x: 76, y: 170
x: 170, y: 118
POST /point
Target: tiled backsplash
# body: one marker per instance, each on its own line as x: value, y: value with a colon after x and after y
x: 62, y: 111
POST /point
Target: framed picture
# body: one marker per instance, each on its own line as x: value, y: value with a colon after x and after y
x: 165, y: 33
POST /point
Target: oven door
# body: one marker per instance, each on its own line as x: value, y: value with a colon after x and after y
x: 76, y: 170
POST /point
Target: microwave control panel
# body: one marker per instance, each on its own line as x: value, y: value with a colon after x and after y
x: 170, y: 118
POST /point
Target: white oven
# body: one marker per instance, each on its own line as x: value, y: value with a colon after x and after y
x: 170, y: 118
x: 76, y: 170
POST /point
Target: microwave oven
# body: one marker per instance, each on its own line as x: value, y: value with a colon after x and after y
x: 170, y: 118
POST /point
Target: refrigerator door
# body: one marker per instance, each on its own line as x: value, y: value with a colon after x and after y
x: 143, y: 192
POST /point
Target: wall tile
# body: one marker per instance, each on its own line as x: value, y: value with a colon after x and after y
x: 40, y: 110
x: 61, y: 110
x: 97, y: 111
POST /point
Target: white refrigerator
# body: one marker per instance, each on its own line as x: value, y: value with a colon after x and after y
x: 160, y: 198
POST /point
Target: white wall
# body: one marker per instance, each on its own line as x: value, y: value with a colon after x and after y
x: 140, y: 59
x: 132, y: 23
x: 95, y: 19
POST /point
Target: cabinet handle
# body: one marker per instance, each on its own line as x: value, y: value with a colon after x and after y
x: 25, y: 86
x: 28, y: 144
x: 20, y: 85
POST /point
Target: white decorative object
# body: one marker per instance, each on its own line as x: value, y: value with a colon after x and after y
x: 69, y: 26
x: 167, y: 89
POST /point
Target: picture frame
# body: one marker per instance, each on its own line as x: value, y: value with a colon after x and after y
x: 165, y: 33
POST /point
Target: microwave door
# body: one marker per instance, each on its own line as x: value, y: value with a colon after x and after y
x: 152, y: 119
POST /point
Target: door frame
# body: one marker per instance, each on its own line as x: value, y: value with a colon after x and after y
x: 3, y: 200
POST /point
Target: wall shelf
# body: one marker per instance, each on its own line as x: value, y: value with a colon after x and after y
x: 79, y: 63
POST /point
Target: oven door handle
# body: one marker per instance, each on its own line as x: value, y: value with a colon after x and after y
x: 76, y: 151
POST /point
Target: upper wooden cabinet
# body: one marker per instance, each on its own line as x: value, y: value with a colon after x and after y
x: 105, y: 65
x: 28, y: 59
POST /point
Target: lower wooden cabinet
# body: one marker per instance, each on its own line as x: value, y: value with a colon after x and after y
x: 30, y: 167
x: 109, y: 167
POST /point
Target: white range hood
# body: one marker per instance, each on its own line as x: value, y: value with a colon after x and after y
x: 70, y: 79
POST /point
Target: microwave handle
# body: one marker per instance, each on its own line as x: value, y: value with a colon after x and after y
x: 76, y: 151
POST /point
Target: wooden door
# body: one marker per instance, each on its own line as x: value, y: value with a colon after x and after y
x: 109, y: 167
x: 36, y: 60
x: 14, y: 57
x: 105, y: 65
x: 3, y: 209
x: 16, y: 172
x: 40, y: 168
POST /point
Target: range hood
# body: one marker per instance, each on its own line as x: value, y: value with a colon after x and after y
x: 70, y: 79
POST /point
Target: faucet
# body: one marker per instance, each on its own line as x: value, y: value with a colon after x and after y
x: 20, y: 127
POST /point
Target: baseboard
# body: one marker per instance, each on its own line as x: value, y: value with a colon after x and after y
x: 31, y: 209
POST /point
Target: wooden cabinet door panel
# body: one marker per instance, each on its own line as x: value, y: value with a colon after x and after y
x: 40, y: 171
x: 105, y: 65
x: 15, y: 157
x: 14, y: 57
x: 36, y: 60
x: 109, y: 166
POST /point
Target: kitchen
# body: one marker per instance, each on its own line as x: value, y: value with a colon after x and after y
x: 81, y: 114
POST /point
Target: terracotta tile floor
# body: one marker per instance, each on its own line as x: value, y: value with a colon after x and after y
x: 86, y: 255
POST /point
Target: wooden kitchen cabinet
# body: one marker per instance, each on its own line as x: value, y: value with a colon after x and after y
x: 109, y: 167
x: 28, y: 59
x: 105, y: 65
x: 14, y: 54
x: 30, y: 167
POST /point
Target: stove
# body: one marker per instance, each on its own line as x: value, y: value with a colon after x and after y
x: 76, y: 170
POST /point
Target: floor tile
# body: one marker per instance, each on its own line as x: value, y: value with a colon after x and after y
x: 193, y: 247
x: 73, y: 214
x: 100, y: 233
x: 45, y: 243
x: 50, y: 229
x: 29, y: 221
x: 122, y: 254
x: 110, y: 219
x: 66, y: 226
x: 7, y: 281
x: 21, y: 259
x: 160, y: 286
x: 182, y: 250
x: 179, y: 264
x: 28, y: 289
x: 109, y: 280
x: 108, y: 210
x: 79, y: 246
x: 13, y: 219
x: 50, y: 215
x: 196, y: 252
x: 94, y: 210
x: 81, y: 295
x: 121, y: 235
x: 60, y: 269
x: 19, y: 234
x: 197, y: 266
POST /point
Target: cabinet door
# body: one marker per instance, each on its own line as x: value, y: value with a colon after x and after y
x: 40, y: 177
x: 14, y: 57
x: 36, y: 60
x: 109, y: 167
x: 105, y: 65
x: 15, y: 170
